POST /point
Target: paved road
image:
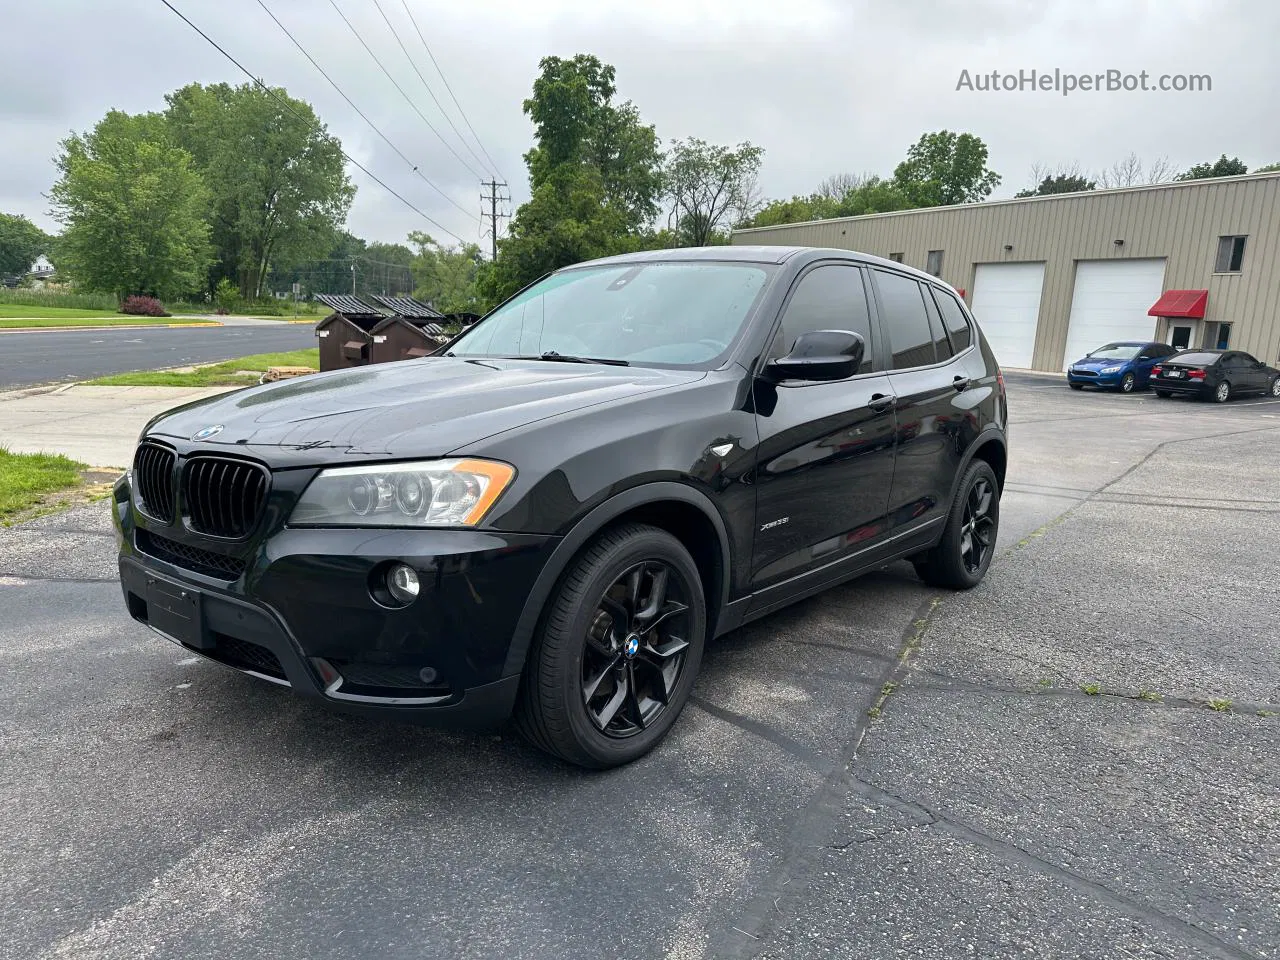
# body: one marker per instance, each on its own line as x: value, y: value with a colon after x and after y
x: 159, y: 806
x: 32, y: 358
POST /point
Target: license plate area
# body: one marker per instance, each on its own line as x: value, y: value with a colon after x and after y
x: 1174, y: 373
x: 174, y: 610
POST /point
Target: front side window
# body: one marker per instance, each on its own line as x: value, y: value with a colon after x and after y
x: 1230, y: 255
x: 905, y: 320
x: 665, y: 313
x: 831, y: 297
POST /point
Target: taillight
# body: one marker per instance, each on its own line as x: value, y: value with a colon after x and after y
x: 1196, y: 374
x: 1000, y: 381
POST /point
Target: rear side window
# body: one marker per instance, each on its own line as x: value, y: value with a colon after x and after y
x: 831, y: 297
x: 941, y: 345
x: 905, y: 321
x: 953, y: 318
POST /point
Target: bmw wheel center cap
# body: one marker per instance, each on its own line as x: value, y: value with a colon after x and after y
x: 632, y: 646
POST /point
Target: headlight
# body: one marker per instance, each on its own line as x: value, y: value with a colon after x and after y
x: 429, y: 493
x: 1111, y: 369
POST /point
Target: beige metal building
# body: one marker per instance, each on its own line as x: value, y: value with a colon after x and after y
x: 1050, y: 278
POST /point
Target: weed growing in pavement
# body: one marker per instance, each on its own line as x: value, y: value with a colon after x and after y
x: 1045, y: 682
x: 874, y: 713
x: 888, y: 688
x: 1222, y: 706
x: 1150, y: 696
x: 1092, y: 689
x: 1266, y: 713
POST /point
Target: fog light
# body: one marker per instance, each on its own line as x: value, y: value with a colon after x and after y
x: 402, y: 583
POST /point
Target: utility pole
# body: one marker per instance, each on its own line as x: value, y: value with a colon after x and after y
x: 353, y: 277
x: 494, y: 197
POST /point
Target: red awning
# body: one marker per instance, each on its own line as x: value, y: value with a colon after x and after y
x: 1180, y: 303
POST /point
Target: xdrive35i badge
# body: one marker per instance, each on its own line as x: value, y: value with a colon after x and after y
x: 207, y: 432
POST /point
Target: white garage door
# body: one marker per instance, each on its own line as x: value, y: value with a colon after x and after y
x: 1006, y: 303
x: 1110, y: 302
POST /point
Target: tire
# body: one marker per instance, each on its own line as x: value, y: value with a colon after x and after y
x: 1163, y: 394
x: 948, y: 564
x: 1275, y: 387
x: 580, y: 642
x: 1128, y: 383
x: 1076, y: 386
x: 1222, y: 392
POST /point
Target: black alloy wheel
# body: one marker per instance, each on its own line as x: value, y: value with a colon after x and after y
x: 618, y: 652
x: 635, y: 649
x: 964, y: 553
x: 1128, y: 382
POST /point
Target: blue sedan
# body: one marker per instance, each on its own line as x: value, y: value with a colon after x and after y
x: 1123, y: 366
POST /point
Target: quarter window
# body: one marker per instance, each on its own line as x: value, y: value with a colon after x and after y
x: 941, y: 345
x: 953, y: 318
x: 934, y: 264
x: 1230, y: 254
x: 830, y: 297
x: 905, y: 320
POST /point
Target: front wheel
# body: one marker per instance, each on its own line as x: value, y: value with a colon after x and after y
x: 618, y: 652
x: 1127, y: 383
x: 962, y: 556
x: 1222, y: 393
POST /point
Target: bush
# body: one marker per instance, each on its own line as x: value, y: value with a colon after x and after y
x: 143, y: 307
x: 226, y: 297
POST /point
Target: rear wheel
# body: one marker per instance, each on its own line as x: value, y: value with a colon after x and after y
x: 1222, y: 392
x: 619, y: 650
x: 1127, y: 383
x: 962, y: 556
x: 1275, y: 387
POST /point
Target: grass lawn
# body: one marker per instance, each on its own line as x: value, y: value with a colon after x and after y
x: 230, y: 373
x: 21, y: 315
x: 29, y: 480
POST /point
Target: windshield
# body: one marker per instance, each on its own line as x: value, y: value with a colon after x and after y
x: 680, y: 314
x: 1117, y: 351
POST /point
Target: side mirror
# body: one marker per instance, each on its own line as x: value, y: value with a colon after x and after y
x: 820, y: 355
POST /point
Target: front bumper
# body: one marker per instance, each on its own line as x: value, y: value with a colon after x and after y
x: 302, y: 613
x: 1099, y: 380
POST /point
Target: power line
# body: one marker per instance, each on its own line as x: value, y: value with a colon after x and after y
x: 316, y: 126
x: 351, y: 103
x: 400, y: 89
x: 431, y: 93
x: 462, y: 112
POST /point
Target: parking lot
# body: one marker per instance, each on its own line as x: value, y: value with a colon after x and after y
x: 1076, y: 759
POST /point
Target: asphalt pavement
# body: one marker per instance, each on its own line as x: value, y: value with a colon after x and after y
x: 28, y: 358
x: 1029, y: 769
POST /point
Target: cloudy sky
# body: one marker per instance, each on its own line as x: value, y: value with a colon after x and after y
x: 824, y: 86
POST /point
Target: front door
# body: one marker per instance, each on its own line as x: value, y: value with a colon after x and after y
x: 825, y: 460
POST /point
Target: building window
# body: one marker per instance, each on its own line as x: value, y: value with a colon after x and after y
x: 1230, y: 254
x: 895, y: 257
x: 1224, y: 336
x: 934, y: 264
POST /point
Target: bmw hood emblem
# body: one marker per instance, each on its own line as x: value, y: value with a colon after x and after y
x: 207, y: 432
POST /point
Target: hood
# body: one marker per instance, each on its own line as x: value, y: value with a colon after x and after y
x: 425, y: 407
x: 1092, y: 362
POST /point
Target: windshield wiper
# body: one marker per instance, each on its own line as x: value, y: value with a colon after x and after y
x: 567, y: 358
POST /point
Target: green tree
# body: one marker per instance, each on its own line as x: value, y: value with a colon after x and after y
x: 870, y: 194
x: 595, y: 178
x: 445, y: 277
x: 134, y: 209
x: 709, y: 185
x: 1269, y: 168
x: 1222, y: 167
x: 1061, y: 182
x: 945, y: 168
x: 21, y: 242
x: 278, y: 179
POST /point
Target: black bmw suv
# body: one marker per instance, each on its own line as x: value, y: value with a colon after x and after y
x: 551, y: 518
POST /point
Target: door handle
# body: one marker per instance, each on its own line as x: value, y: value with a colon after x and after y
x: 880, y: 402
x: 961, y: 383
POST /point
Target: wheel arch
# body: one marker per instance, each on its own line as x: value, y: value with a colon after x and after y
x: 683, y: 511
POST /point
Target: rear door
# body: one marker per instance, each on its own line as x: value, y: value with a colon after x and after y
x: 826, y: 449
x: 931, y: 384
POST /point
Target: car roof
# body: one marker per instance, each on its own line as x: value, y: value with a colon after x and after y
x: 754, y: 254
